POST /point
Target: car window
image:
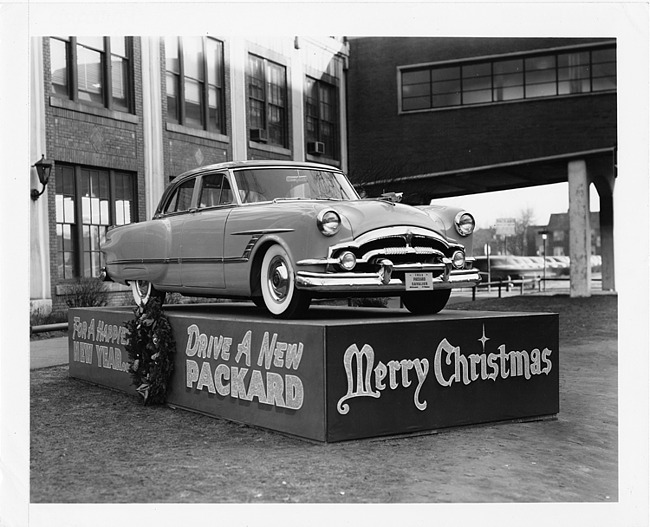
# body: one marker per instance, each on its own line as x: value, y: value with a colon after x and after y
x: 290, y: 183
x: 215, y: 190
x: 182, y: 198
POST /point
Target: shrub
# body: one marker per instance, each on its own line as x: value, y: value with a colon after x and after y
x: 86, y: 292
x: 370, y: 302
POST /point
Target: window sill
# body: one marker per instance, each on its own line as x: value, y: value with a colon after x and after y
x: 269, y: 148
x: 65, y: 104
x: 324, y: 160
x: 195, y: 132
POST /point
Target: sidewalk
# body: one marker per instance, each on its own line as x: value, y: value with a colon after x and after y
x: 48, y: 352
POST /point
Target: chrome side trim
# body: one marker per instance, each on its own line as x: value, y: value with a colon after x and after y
x: 260, y: 232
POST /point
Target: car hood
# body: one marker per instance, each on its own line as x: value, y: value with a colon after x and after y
x: 368, y: 215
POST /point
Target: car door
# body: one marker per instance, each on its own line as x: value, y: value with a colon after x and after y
x: 169, y: 234
x: 202, y: 236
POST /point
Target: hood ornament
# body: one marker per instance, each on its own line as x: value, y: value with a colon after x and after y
x: 392, y: 197
x: 408, y: 237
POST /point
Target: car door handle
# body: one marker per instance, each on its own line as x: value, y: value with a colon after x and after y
x: 192, y: 210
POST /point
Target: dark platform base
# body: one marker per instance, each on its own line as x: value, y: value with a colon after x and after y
x: 342, y: 373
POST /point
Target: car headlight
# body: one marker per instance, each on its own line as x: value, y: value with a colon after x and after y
x: 329, y: 222
x: 347, y: 261
x: 464, y: 223
x: 458, y: 259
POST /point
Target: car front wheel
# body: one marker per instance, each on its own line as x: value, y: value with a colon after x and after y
x: 278, y: 285
x: 144, y: 292
x: 426, y: 303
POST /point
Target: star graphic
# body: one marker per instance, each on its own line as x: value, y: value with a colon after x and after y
x: 483, y: 339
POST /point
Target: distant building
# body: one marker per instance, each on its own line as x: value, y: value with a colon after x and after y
x: 557, y: 241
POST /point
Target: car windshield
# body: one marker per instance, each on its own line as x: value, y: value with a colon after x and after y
x: 268, y: 184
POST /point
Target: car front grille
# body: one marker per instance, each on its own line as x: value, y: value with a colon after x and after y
x: 400, y: 248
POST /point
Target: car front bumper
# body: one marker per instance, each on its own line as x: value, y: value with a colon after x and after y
x: 379, y: 283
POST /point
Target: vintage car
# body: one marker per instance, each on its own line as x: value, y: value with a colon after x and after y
x: 281, y: 233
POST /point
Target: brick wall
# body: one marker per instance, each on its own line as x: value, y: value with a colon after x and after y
x: 186, y: 149
x: 94, y: 137
x: 465, y: 137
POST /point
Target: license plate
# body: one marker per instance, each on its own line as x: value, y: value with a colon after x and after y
x: 419, y: 281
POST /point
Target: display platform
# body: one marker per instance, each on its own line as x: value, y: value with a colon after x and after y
x: 342, y: 373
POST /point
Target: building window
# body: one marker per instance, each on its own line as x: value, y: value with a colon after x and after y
x: 498, y: 80
x: 93, y: 70
x: 195, y: 83
x: 267, y: 101
x: 321, y: 117
x: 88, y: 201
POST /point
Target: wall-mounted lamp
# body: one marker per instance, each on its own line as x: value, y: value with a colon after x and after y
x: 43, y: 169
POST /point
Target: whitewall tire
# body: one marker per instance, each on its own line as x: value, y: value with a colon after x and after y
x: 144, y: 292
x: 278, y: 285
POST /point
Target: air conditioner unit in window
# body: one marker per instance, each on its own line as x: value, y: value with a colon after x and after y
x: 315, y: 147
x: 258, y: 135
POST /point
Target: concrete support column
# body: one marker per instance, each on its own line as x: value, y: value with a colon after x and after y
x: 154, y: 171
x: 605, y: 185
x: 39, y: 251
x: 579, y: 229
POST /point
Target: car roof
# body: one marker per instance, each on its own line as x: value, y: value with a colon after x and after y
x: 233, y: 165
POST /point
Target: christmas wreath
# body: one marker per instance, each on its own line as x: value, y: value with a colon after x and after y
x: 151, y: 349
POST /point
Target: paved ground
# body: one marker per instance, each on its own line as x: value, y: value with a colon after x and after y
x: 573, y: 459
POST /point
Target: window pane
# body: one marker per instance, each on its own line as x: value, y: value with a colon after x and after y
x: 508, y: 66
x: 92, y: 42
x: 257, y: 114
x: 603, y: 69
x: 447, y: 99
x: 573, y: 73
x: 255, y: 77
x: 119, y: 83
x: 193, y: 104
x: 104, y: 218
x: 58, y: 200
x: 441, y: 74
x: 540, y: 76
x: 211, y: 190
x: 89, y: 72
x: 118, y: 46
x: 182, y: 198
x: 171, y: 54
x: 445, y: 86
x: 415, y: 77
x: 172, y: 97
x: 215, y: 121
x: 508, y: 80
x: 59, y: 66
x: 416, y: 103
x: 68, y: 210
x: 508, y: 93
x: 215, y: 62
x: 477, y: 83
x: 416, y: 90
x: 193, y: 58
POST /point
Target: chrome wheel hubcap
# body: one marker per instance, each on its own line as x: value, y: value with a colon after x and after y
x: 278, y: 279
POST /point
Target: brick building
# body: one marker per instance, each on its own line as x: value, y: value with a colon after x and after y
x: 432, y: 117
x: 558, y: 232
x: 438, y: 117
x: 119, y: 117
